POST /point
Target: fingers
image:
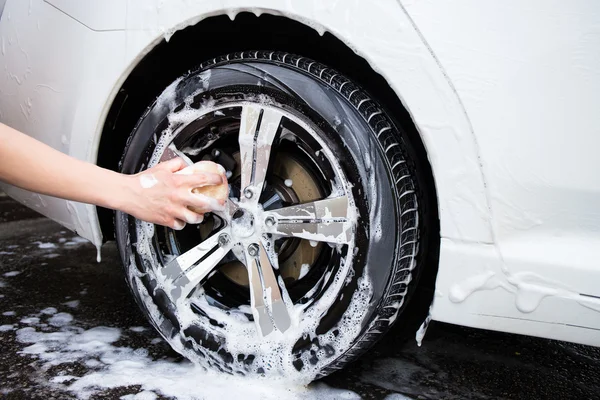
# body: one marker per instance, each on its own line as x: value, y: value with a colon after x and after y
x: 209, y: 203
x: 191, y: 217
x: 185, y: 215
x: 200, y: 202
x: 177, y: 224
x: 174, y: 164
x: 170, y: 222
x: 201, y: 179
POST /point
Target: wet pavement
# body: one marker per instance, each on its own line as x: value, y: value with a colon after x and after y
x: 49, y: 279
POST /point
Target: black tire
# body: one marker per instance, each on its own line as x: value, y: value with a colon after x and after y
x: 376, y: 156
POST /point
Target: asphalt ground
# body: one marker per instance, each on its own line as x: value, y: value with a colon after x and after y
x: 43, y: 265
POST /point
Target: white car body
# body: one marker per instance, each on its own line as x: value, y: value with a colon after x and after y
x: 505, y: 95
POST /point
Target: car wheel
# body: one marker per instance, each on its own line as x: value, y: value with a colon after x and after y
x: 315, y: 255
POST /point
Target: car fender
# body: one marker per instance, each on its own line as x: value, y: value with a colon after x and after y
x: 103, y: 52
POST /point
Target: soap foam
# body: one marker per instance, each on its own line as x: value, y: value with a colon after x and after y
x: 147, y: 181
x: 110, y: 366
x: 273, y: 354
x: 304, y: 268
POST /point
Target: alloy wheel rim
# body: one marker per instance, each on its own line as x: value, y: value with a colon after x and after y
x: 247, y: 230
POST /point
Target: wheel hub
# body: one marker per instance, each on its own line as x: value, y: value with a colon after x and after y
x: 242, y: 224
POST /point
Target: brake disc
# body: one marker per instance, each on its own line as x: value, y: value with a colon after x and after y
x: 295, y: 185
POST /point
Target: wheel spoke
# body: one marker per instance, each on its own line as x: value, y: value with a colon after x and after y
x: 258, y: 128
x: 265, y: 294
x: 279, y: 310
x: 257, y: 300
x: 322, y: 221
x: 188, y: 270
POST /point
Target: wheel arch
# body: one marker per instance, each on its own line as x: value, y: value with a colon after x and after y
x: 439, y: 129
x: 149, y: 75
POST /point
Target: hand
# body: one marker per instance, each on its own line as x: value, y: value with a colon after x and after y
x: 157, y: 195
x: 163, y: 197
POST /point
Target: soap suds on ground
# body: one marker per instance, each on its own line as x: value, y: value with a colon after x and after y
x: 53, y: 338
x: 42, y: 245
x: 72, y: 303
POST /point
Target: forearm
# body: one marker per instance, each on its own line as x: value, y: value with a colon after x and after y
x: 164, y: 197
x: 34, y: 166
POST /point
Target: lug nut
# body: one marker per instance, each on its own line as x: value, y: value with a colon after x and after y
x: 223, y: 239
x: 248, y: 193
x: 270, y: 222
x: 253, y: 250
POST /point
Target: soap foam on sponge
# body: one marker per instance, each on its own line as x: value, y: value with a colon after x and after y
x: 212, y: 195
